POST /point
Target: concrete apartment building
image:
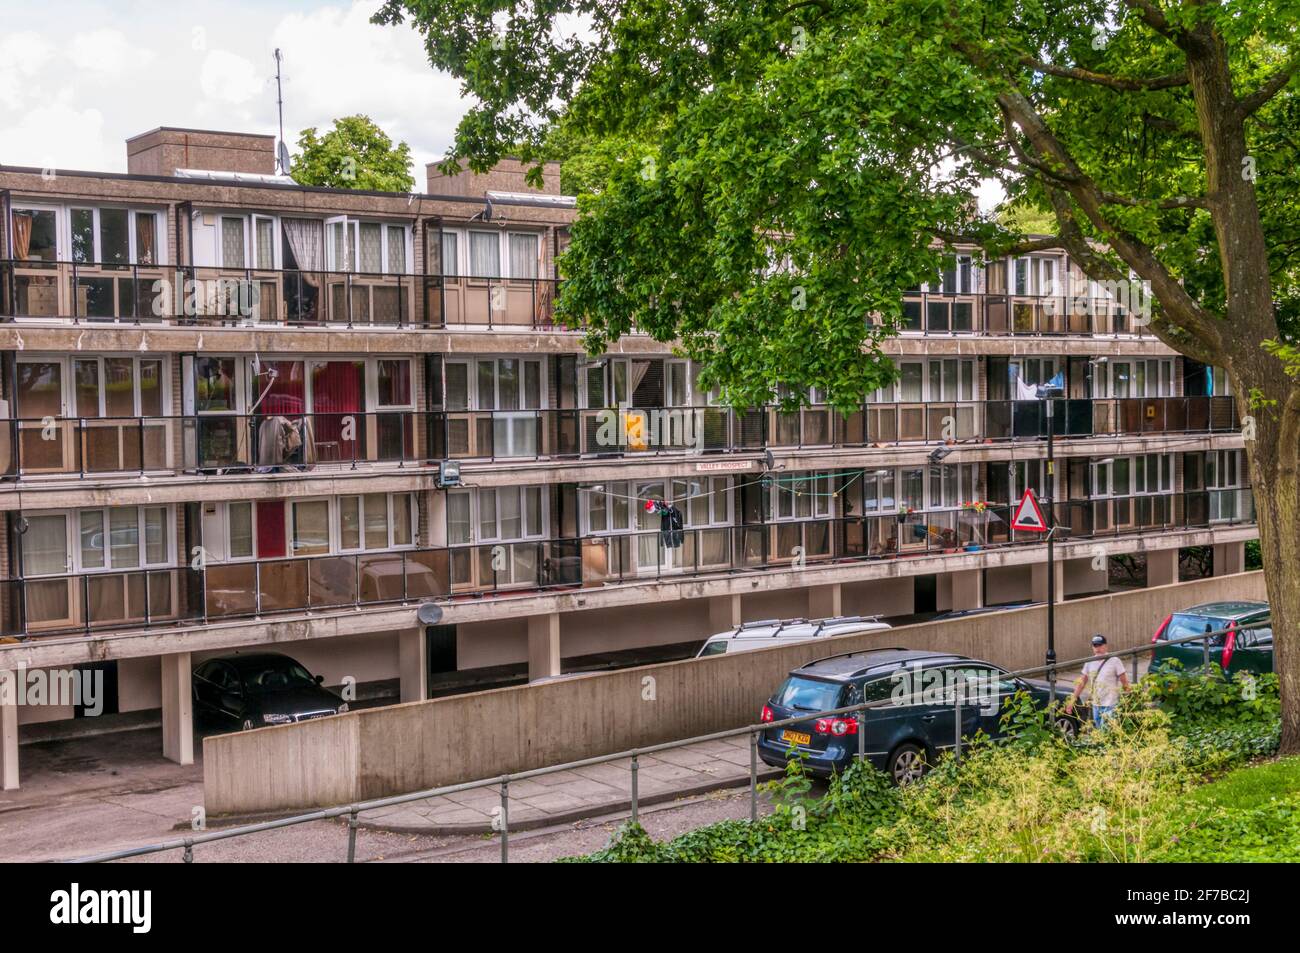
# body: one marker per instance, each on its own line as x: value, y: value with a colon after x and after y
x: 238, y: 413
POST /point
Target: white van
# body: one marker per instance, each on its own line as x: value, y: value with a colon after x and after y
x: 760, y: 635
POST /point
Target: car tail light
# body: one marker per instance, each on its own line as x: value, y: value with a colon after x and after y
x: 767, y: 715
x: 836, y: 726
x: 1161, y: 631
x: 1229, y: 642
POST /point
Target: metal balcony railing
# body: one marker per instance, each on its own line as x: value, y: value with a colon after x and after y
x: 98, y: 601
x: 37, y: 447
x: 999, y: 313
x: 194, y: 295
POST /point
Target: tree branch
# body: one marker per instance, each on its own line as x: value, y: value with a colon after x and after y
x: 1126, y: 83
x: 1272, y: 86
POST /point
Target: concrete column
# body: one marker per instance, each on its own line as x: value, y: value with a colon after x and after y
x: 967, y: 589
x: 1229, y: 558
x: 1162, y: 567
x: 413, y: 664
x: 543, y: 645
x: 824, y: 602
x: 177, y: 708
x: 8, y: 731
x: 1038, y: 581
x: 724, y: 613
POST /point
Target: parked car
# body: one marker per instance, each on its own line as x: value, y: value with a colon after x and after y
x: 1234, y: 648
x: 252, y: 691
x: 762, y: 635
x: 902, y: 738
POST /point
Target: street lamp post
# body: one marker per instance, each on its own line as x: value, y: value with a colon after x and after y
x: 1048, y: 393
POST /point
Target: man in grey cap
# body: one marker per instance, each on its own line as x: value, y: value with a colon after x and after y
x: 1108, y: 680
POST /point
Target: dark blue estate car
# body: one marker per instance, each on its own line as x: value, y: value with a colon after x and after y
x: 905, y: 736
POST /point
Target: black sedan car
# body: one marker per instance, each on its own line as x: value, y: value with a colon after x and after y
x: 904, y: 736
x: 253, y: 691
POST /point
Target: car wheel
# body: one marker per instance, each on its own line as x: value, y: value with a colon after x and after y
x: 908, y: 763
x: 1067, y: 726
x: 248, y: 724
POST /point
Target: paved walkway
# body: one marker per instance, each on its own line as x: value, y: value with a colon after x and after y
x: 567, y: 796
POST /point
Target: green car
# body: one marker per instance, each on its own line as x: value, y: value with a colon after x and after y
x: 1235, y: 649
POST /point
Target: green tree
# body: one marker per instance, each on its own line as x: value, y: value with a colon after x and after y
x: 1160, y: 135
x: 355, y: 154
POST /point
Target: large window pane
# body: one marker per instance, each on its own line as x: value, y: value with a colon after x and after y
x: 458, y: 520
x: 484, y: 255
x: 41, y: 235
x: 350, y: 522
x: 457, y: 377
x: 376, y: 505
x: 450, y: 259
x: 402, y: 521
x: 150, y: 387
x: 311, y: 531
x: 92, y: 539
x: 40, y: 389
x: 45, y: 545
x: 214, y: 383
x: 240, y: 517
x: 232, y: 242
x: 119, y: 386
x: 85, y: 376
x: 396, y: 250
x: 395, y: 383
x: 155, y: 535
x: 83, y: 235
x: 523, y: 256
x: 124, y: 537
x: 511, y: 518
x: 265, y: 234
x: 371, y: 253
x: 114, y: 236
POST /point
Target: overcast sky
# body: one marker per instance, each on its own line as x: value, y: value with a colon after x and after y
x: 78, y: 77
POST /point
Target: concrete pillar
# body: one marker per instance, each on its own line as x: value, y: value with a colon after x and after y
x: 413, y: 664
x: 1038, y: 581
x: 967, y: 589
x: 1229, y: 558
x: 8, y: 731
x: 724, y: 613
x: 1162, y: 567
x: 824, y: 602
x: 543, y: 645
x: 177, y: 708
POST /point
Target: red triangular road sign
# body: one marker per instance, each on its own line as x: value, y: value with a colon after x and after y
x: 1027, y: 515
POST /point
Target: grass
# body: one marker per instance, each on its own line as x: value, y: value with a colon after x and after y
x: 1252, y: 786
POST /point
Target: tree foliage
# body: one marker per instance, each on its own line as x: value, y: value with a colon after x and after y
x: 355, y: 154
x: 762, y: 179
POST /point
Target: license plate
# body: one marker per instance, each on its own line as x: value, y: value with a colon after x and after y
x: 796, y: 737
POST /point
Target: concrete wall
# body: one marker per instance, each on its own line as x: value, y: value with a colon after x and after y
x: 384, y: 751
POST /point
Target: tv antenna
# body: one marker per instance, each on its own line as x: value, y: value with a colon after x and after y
x: 282, y: 153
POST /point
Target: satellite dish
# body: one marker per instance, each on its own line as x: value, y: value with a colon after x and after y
x: 429, y: 613
x: 283, y: 155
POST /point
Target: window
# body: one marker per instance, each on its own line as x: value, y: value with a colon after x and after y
x: 450, y: 253
x: 506, y: 514
x: 232, y: 243
x: 376, y: 521
x: 108, y: 387
x: 239, y: 530
x: 35, y: 234
x: 310, y: 529
x: 801, y: 496
x: 365, y: 247
x: 114, y: 236
x: 523, y: 255
x: 106, y: 539
x: 215, y: 385
x: 484, y: 255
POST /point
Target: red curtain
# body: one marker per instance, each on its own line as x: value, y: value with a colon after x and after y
x: 338, y: 391
x: 270, y: 529
x: 288, y: 394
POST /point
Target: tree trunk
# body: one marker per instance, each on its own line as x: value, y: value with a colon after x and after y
x: 1273, y: 459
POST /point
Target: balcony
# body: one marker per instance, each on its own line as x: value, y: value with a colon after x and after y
x: 934, y: 313
x: 97, y: 602
x: 40, y: 447
x: 102, y: 446
x: 189, y: 295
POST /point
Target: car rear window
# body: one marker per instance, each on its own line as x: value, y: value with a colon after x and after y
x: 810, y: 694
x: 1181, y: 626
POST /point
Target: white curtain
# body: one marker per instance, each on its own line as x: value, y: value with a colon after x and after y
x: 306, y: 238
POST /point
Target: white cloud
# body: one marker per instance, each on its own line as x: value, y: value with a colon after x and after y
x: 229, y: 78
x: 108, y: 52
x: 206, y: 64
